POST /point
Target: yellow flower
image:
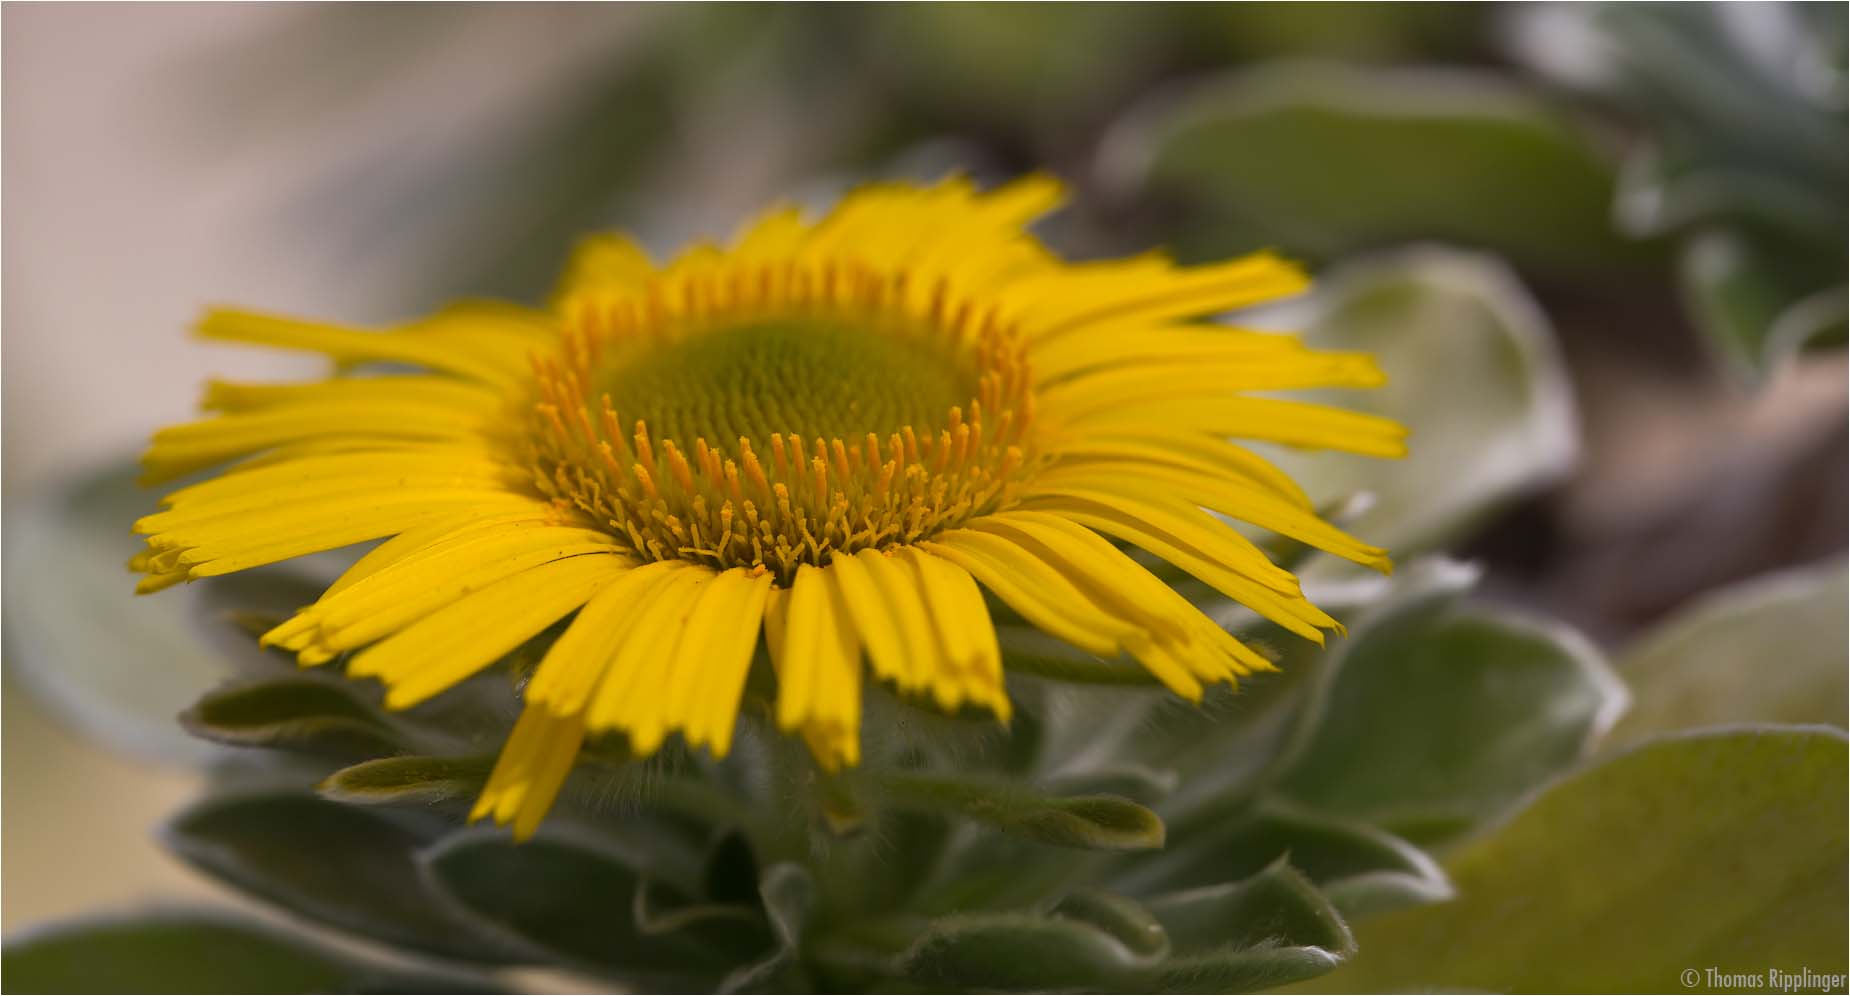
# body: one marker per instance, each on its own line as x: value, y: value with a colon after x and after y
x: 838, y: 433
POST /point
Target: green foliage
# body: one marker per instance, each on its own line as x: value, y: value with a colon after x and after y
x: 303, y: 713
x: 1099, y: 822
x: 349, y: 867
x: 1743, y: 159
x: 1445, y: 715
x: 408, y: 779
x: 1720, y: 848
x: 1764, y: 651
x: 591, y: 907
x: 1102, y: 840
x: 195, y: 952
x: 1474, y: 374
x: 1323, y: 159
x: 121, y: 674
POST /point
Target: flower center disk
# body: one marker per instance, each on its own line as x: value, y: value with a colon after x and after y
x: 810, y: 378
x: 779, y: 438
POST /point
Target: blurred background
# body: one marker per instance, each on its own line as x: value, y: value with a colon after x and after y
x: 1601, y: 250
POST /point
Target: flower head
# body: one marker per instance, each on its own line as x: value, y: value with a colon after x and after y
x: 837, y: 434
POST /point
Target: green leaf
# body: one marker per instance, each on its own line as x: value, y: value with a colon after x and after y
x: 344, y: 866
x: 1276, y: 907
x: 1722, y: 849
x: 1755, y: 306
x: 1142, y: 785
x: 990, y: 951
x: 115, y: 666
x: 1120, y: 916
x: 301, y: 713
x: 1325, y: 159
x: 1268, y: 930
x: 1732, y: 130
x: 415, y: 780
x: 1095, y: 822
x: 1030, y: 67
x: 1248, y: 971
x: 788, y: 894
x: 1474, y: 375
x: 1360, y: 868
x: 191, y: 952
x: 1766, y: 650
x: 576, y: 900
x: 1233, y: 745
x: 1439, y: 716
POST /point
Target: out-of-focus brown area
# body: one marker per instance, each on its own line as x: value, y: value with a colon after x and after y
x: 366, y: 162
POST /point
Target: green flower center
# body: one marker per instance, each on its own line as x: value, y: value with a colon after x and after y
x: 816, y: 378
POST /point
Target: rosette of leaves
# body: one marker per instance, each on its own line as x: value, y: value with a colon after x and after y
x: 1445, y: 768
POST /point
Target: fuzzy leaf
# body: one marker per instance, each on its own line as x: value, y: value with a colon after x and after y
x: 1276, y: 907
x: 1767, y: 650
x: 990, y: 951
x: 1121, y: 917
x: 416, y: 780
x: 1440, y: 715
x: 298, y: 713
x: 1096, y: 822
x: 576, y: 900
x: 193, y: 952
x: 1724, y: 849
x: 1362, y: 869
x: 1472, y: 372
x: 1247, y: 971
x: 1450, y: 155
x: 1265, y: 931
x: 343, y: 866
x: 788, y: 894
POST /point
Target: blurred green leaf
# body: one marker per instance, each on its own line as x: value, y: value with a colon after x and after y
x: 1362, y: 869
x: 118, y: 667
x: 1325, y: 159
x: 1347, y: 30
x: 1142, y: 785
x: 297, y: 713
x: 1439, y: 716
x: 413, y: 779
x: 1033, y: 68
x: 1743, y: 154
x: 1743, y: 108
x: 1757, y: 308
x: 1474, y: 375
x: 194, y: 952
x: 576, y: 901
x: 1094, y: 822
x: 1721, y: 849
x: 1766, y: 650
x: 344, y: 866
